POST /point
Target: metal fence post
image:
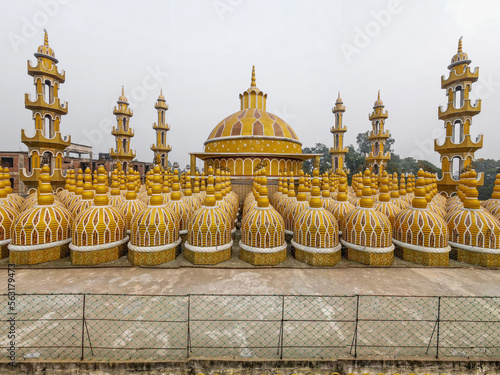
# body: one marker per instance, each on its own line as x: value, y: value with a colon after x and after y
x: 355, y: 337
x: 280, y: 340
x: 83, y: 327
x: 438, y: 320
x: 188, y: 344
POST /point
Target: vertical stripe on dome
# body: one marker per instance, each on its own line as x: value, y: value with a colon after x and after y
x: 236, y: 129
x: 219, y: 131
x: 292, y: 133
x: 258, y: 128
x: 278, y: 131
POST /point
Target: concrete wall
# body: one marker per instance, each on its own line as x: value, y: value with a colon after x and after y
x: 258, y: 367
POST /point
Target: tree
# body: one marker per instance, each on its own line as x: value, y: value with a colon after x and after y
x: 490, y: 168
x: 325, y: 160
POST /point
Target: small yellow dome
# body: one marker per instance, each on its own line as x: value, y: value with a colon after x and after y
x: 316, y: 232
x: 99, y: 227
x: 419, y: 228
x: 366, y: 229
x: 263, y: 231
x: 122, y: 98
x: 154, y: 229
x: 341, y: 206
x: 45, y: 49
x: 472, y: 227
x: 460, y: 57
x: 183, y: 210
x: 44, y: 226
x: 209, y: 231
x: 378, y: 102
x: 131, y: 205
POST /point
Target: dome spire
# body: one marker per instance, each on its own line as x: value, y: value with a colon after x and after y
x: 253, y: 84
x: 366, y: 200
x: 210, y: 190
x: 156, y: 197
x: 378, y: 95
x: 419, y: 201
x: 471, y: 193
x: 101, y: 193
x: 263, y: 200
x: 45, y: 38
x: 460, y: 45
x: 45, y: 196
x: 315, y: 201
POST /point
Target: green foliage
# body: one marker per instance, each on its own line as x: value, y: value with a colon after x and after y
x: 325, y: 160
x: 365, y: 147
x: 490, y: 168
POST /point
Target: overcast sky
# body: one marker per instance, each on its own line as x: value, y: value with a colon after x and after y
x: 201, y: 54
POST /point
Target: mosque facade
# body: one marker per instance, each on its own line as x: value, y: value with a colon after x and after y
x: 97, y: 215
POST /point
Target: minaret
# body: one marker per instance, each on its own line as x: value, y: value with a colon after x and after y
x: 47, y: 145
x: 377, y: 158
x: 161, y: 149
x: 122, y: 154
x: 457, y: 150
x: 338, y: 150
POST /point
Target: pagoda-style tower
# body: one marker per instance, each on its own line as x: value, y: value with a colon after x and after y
x: 338, y: 150
x: 161, y: 149
x: 47, y: 145
x: 457, y: 150
x: 122, y: 154
x: 377, y: 158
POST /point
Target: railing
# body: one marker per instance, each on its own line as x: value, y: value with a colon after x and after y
x: 152, y: 327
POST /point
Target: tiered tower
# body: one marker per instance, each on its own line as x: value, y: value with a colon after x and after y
x: 122, y: 154
x: 161, y: 149
x: 378, y: 157
x: 338, y: 150
x: 47, y: 145
x: 457, y: 150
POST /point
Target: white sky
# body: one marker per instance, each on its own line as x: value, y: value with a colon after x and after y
x: 202, y: 53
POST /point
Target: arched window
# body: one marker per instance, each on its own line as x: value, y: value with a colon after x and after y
x: 456, y: 167
x: 48, y: 127
x: 125, y: 124
x: 458, y: 97
x: 163, y: 138
x: 47, y: 92
x: 458, y: 132
x: 125, y: 145
x: 46, y: 159
x: 376, y: 149
x: 336, y: 163
x: 336, y: 141
x: 377, y: 127
x: 337, y: 120
x: 375, y: 168
x: 163, y: 161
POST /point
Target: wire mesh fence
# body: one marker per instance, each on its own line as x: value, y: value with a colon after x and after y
x: 125, y: 327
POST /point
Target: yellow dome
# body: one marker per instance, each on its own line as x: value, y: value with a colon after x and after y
x: 43, y: 232
x: 7, y: 216
x: 263, y: 232
x: 131, y: 205
x: 155, y: 230
x: 209, y: 231
x: 99, y: 232
x: 378, y: 102
x: 316, y: 232
x: 45, y: 49
x: 418, y: 228
x: 183, y: 210
x: 122, y: 98
x: 341, y: 206
x: 253, y: 129
x: 367, y: 232
x: 296, y: 206
x: 460, y: 57
x: 473, y: 228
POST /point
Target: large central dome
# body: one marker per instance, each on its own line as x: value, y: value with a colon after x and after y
x: 253, y: 129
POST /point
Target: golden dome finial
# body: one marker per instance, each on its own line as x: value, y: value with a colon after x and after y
x: 156, y: 197
x: 366, y: 200
x: 253, y: 84
x: 188, y: 192
x: 291, y: 186
x: 471, y: 194
x: 419, y: 201
x: 101, y: 196
x: 384, y: 188
x: 378, y: 98
x: 496, y: 189
x: 46, y: 38
x: 210, y: 189
x: 315, y: 201
x: 123, y: 91
x: 176, y: 189
x: 218, y: 187
x: 3, y: 193
x: 263, y: 200
x: 460, y: 45
x: 341, y: 195
x: 88, y: 192
x: 338, y: 95
x: 45, y: 196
